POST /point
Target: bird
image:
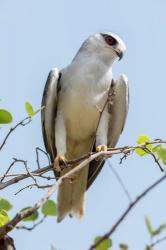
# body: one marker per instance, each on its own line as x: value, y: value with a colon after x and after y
x: 72, y: 122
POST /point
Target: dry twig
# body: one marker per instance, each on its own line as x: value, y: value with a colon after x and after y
x: 23, y: 214
x: 120, y: 182
x: 158, y: 242
x: 24, y: 122
x: 126, y: 212
x: 33, y: 227
x: 86, y: 158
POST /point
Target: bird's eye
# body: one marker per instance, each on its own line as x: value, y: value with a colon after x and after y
x: 110, y: 40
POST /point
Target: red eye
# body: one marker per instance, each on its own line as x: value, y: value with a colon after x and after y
x: 110, y: 40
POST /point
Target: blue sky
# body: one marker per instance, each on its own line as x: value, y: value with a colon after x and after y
x: 39, y: 35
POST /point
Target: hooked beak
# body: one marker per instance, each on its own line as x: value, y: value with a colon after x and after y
x: 119, y: 54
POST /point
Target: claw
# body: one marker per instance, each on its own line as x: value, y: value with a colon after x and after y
x: 59, y: 161
x: 62, y: 160
x: 101, y: 148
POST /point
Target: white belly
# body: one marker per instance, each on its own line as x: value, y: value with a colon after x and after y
x: 81, y: 116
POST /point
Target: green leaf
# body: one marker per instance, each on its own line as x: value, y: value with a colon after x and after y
x: 140, y: 152
x: 141, y: 140
x: 123, y: 246
x: 5, y: 204
x: 104, y: 245
x: 160, y: 229
x: 29, y: 109
x: 149, y: 248
x: 161, y: 153
x: 32, y: 217
x: 149, y: 226
x: 156, y: 148
x: 4, y: 218
x: 5, y: 116
x: 151, y: 230
x: 49, y: 208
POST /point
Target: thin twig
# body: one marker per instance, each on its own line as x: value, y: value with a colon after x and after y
x: 37, y: 156
x: 25, y: 173
x: 33, y: 185
x: 126, y: 212
x: 158, y: 241
x: 154, y: 157
x: 24, y: 176
x: 30, y: 175
x: 26, y: 167
x: 24, y: 122
x: 46, y: 177
x: 120, y: 182
x: 23, y: 214
x: 88, y: 157
x: 124, y: 157
x: 33, y: 227
x: 7, y: 171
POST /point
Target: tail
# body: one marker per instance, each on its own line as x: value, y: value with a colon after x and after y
x: 71, y: 195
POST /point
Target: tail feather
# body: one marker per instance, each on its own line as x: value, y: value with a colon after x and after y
x: 79, y: 208
x: 71, y: 195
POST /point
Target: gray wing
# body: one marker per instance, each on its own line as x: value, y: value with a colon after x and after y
x: 118, y: 109
x: 48, y: 114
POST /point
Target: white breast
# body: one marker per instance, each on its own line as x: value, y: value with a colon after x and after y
x: 84, y: 92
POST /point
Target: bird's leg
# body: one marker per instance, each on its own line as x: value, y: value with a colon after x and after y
x: 102, y: 131
x: 60, y: 142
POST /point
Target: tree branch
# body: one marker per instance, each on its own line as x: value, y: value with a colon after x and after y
x: 84, y: 159
x: 26, y: 175
x: 126, y: 212
x: 23, y: 214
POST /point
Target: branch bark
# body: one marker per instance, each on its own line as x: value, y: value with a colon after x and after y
x: 7, y: 243
x: 84, y: 159
x: 23, y: 214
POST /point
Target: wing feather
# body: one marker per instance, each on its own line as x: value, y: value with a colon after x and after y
x: 48, y: 114
x: 118, y: 109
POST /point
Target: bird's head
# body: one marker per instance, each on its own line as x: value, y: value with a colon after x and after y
x: 106, y: 45
x: 113, y: 43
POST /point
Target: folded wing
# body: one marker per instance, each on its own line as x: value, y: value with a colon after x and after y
x: 118, y: 109
x: 48, y: 114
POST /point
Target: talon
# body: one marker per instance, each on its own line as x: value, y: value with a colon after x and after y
x: 59, y: 161
x: 101, y: 148
x: 62, y: 160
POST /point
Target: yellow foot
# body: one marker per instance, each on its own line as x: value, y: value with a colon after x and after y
x: 101, y: 148
x: 59, y: 161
